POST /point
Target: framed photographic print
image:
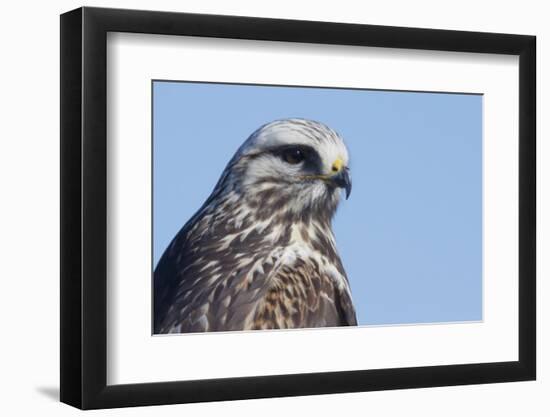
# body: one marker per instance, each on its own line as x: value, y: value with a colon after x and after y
x: 257, y: 207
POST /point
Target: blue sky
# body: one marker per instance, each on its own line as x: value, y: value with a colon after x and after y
x: 410, y: 235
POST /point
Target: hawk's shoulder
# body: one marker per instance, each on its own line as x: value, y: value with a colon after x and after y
x: 282, y: 288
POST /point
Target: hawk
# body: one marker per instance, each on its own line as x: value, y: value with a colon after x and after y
x: 260, y: 253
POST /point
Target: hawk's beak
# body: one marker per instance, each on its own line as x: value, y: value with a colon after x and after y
x: 343, y: 180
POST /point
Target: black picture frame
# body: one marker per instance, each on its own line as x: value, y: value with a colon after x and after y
x: 84, y: 208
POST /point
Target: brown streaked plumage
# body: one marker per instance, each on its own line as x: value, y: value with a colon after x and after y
x: 260, y: 253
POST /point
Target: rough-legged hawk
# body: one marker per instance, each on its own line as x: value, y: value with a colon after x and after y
x: 260, y: 253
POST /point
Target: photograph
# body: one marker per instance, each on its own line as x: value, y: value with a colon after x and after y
x: 288, y: 207
x: 257, y: 206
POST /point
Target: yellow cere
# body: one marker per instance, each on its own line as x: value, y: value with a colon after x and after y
x: 337, y: 165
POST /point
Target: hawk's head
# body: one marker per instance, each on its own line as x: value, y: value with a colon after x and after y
x: 294, y: 165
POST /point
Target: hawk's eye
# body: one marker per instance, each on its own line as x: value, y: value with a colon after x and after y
x: 293, y: 156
